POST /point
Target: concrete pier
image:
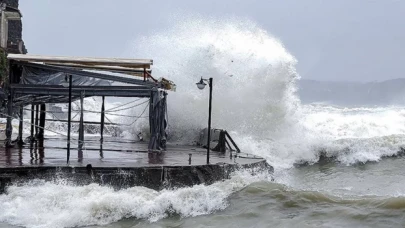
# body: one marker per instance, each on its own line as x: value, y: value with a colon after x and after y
x: 121, y: 164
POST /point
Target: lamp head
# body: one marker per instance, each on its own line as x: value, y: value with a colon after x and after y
x: 201, y: 84
x: 65, y: 83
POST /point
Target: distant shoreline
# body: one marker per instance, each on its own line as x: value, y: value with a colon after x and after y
x: 389, y: 92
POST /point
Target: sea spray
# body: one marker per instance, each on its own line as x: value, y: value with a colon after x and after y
x: 254, y: 95
x: 253, y: 76
x: 254, y: 84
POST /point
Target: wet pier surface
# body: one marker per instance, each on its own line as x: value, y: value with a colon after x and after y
x: 112, y: 153
x: 121, y: 164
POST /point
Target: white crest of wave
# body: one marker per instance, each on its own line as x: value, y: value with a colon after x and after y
x: 253, y: 75
x: 254, y: 84
x: 254, y: 95
x: 357, y: 134
x: 60, y: 204
x: 355, y: 122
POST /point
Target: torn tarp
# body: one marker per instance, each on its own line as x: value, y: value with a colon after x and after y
x: 38, y: 76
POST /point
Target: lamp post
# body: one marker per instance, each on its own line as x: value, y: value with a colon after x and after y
x: 201, y: 85
x: 66, y: 83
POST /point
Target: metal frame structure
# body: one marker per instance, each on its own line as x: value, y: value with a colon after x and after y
x: 133, y: 77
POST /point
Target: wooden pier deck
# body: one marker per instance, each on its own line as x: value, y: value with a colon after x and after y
x: 112, y: 153
x: 121, y: 164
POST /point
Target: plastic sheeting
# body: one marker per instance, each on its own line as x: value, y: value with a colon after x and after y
x: 37, y: 76
x: 158, y: 120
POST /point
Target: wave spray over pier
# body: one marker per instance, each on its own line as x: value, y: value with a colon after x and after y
x: 333, y: 165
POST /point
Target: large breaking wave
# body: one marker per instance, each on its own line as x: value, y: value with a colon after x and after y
x: 255, y: 96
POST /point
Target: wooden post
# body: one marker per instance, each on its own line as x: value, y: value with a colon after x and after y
x: 42, y: 116
x: 153, y: 100
x: 81, y: 125
x: 9, y: 126
x: 20, y: 127
x: 32, y: 122
x: 101, y: 151
x: 36, y: 120
x: 102, y: 120
x: 41, y: 151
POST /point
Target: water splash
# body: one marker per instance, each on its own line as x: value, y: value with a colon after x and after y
x: 254, y: 95
x: 254, y: 79
x: 62, y: 204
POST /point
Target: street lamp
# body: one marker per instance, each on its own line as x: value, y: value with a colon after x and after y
x: 68, y: 82
x: 201, y: 85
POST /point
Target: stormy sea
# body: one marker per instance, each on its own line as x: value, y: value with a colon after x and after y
x: 336, y: 148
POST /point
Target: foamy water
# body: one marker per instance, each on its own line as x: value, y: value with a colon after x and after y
x: 62, y: 204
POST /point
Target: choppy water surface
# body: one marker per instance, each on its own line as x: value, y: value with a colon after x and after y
x: 334, y: 166
x: 328, y: 195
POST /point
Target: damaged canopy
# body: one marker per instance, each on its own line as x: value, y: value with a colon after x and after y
x: 40, y: 76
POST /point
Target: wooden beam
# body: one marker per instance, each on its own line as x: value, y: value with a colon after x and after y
x: 115, y: 78
x: 117, y: 69
x: 137, y: 63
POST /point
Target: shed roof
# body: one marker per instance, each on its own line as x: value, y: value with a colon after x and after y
x: 112, y: 64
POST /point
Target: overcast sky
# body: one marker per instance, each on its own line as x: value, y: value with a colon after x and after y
x: 357, y: 40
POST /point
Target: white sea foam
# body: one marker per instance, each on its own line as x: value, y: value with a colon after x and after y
x: 60, y: 204
x: 254, y: 96
x: 357, y: 134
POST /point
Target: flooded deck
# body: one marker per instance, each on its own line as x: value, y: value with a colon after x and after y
x: 112, y: 153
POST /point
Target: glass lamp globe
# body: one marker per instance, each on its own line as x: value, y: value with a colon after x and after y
x: 201, y: 84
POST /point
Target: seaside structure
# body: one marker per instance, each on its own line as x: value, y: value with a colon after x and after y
x: 35, y: 81
x: 38, y: 80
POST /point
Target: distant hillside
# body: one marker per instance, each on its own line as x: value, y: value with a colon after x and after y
x: 390, y: 92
